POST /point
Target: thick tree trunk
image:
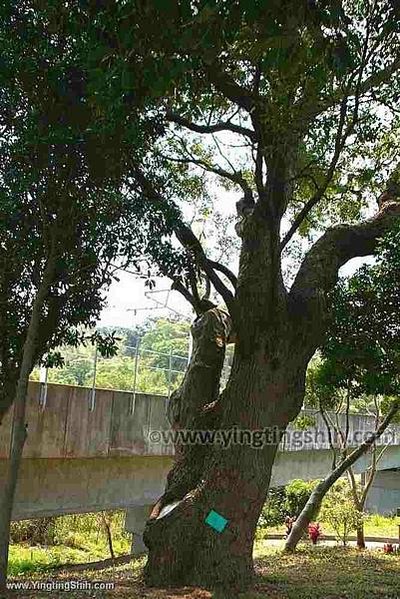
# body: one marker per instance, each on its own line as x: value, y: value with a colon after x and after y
x: 313, y: 505
x: 195, y: 404
x: 264, y: 392
x: 232, y: 482
x: 183, y: 548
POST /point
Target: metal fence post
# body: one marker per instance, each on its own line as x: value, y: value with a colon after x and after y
x: 135, y: 376
x: 93, y: 389
x: 169, y: 372
x: 169, y: 379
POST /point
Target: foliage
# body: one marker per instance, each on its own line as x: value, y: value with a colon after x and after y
x: 362, y: 345
x: 274, y: 511
x: 117, y: 371
x: 68, y: 205
x: 297, y: 494
x: 356, y: 368
x: 339, y: 511
x: 313, y: 89
x: 40, y: 531
x: 77, y: 531
x: 285, y: 501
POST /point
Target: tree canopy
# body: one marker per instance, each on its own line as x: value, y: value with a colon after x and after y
x: 360, y: 355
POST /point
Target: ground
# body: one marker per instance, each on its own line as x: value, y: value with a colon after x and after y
x: 312, y: 573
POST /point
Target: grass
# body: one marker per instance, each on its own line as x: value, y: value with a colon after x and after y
x: 25, y: 558
x: 312, y: 573
x: 74, y: 539
x: 375, y: 525
x: 334, y: 572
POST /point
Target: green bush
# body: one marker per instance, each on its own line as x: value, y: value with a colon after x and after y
x: 297, y: 494
x: 75, y: 531
x: 40, y: 531
x: 339, y: 512
x: 273, y: 513
x: 285, y: 501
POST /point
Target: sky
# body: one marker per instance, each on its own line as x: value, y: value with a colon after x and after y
x: 129, y: 302
x: 129, y: 306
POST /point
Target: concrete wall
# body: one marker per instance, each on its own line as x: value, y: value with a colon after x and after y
x: 384, y: 496
x: 67, y: 428
x: 62, y: 486
x: 77, y: 459
x: 81, y: 460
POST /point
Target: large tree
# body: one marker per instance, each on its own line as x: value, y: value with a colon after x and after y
x: 309, y: 91
x: 69, y: 212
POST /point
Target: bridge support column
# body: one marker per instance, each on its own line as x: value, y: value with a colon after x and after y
x: 134, y: 523
x: 384, y: 495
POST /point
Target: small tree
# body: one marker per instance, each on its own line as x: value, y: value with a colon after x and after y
x: 339, y: 511
x: 360, y: 357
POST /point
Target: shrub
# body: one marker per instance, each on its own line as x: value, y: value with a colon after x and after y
x: 339, y: 512
x: 297, y: 494
x: 39, y: 531
x: 285, y: 501
x: 273, y: 513
x: 73, y: 531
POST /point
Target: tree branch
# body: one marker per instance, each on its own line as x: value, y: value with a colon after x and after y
x: 339, y: 145
x: 225, y: 270
x: 368, y: 85
x: 340, y: 142
x: 234, y: 177
x: 189, y: 241
x: 199, y: 306
x: 319, y: 271
x: 228, y: 87
x: 215, y: 128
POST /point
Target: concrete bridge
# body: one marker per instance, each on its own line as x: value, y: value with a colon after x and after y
x: 88, y: 451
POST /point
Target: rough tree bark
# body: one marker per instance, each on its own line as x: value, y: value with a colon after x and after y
x: 195, y: 404
x: 265, y: 389
x: 19, y: 432
x: 276, y: 335
x: 312, y: 507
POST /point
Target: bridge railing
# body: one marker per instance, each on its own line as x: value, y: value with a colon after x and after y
x: 67, y: 421
x: 137, y: 370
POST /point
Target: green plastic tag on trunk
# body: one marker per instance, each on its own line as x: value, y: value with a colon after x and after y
x: 216, y: 521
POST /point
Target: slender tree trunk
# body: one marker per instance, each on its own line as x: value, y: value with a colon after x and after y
x: 360, y: 537
x: 107, y: 528
x: 359, y: 505
x: 18, y: 426
x: 313, y: 505
x: 8, y: 394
